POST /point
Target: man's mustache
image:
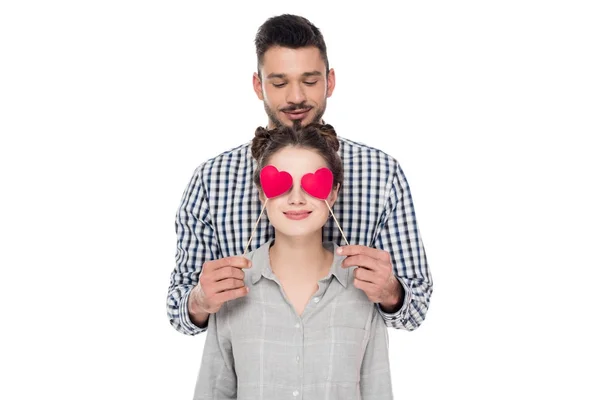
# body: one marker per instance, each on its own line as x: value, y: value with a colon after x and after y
x: 294, y: 107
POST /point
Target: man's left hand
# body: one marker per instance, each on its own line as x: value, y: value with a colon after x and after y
x: 375, y: 275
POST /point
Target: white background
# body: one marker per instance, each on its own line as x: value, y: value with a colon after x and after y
x: 492, y: 109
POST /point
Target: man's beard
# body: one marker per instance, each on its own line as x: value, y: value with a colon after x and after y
x: 297, y: 123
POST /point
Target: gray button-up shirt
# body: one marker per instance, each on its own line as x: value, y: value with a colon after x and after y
x: 257, y: 347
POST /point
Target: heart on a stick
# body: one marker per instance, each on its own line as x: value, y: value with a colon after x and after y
x: 273, y: 182
x: 318, y: 184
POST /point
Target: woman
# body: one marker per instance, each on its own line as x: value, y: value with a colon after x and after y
x: 303, y: 330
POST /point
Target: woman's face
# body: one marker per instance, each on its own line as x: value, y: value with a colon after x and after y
x: 296, y: 213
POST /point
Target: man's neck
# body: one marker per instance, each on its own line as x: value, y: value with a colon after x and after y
x: 271, y: 125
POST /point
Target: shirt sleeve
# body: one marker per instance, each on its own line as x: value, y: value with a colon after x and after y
x: 375, y: 375
x: 399, y: 235
x: 196, y: 243
x: 217, y: 379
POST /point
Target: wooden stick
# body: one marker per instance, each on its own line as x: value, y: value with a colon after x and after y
x: 336, y: 221
x: 255, y: 225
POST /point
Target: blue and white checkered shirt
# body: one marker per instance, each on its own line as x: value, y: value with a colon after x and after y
x: 374, y: 208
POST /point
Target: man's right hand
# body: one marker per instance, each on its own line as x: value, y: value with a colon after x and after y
x: 220, y: 281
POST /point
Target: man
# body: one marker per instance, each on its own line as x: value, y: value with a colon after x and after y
x: 220, y: 205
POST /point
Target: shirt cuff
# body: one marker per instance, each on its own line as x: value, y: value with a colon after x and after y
x: 186, y: 322
x: 399, y: 315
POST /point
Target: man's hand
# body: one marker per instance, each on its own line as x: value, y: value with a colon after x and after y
x: 220, y: 281
x: 375, y: 275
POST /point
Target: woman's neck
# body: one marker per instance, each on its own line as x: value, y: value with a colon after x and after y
x: 302, y: 258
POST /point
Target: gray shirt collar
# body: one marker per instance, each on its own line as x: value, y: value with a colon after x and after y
x: 261, y: 264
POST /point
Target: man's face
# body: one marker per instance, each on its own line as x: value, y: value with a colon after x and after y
x: 293, y: 86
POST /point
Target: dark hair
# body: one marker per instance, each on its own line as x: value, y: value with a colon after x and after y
x: 321, y: 138
x: 291, y: 31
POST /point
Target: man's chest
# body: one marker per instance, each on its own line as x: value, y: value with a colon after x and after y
x: 235, y: 219
x: 234, y: 205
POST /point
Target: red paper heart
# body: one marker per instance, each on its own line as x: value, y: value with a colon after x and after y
x: 273, y: 182
x: 318, y: 184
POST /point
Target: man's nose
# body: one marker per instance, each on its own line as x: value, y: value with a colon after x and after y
x: 296, y: 94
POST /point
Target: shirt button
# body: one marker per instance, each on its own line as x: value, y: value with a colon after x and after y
x: 297, y: 358
x: 296, y: 393
x: 316, y: 299
x: 297, y: 325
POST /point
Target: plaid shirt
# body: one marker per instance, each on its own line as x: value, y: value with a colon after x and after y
x: 374, y: 208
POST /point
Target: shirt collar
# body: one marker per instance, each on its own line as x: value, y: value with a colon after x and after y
x: 261, y: 264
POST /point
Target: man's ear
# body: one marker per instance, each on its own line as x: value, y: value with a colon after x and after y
x: 330, y: 82
x: 257, y: 85
x: 333, y: 195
